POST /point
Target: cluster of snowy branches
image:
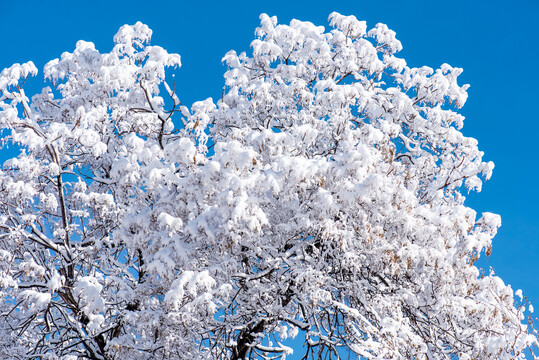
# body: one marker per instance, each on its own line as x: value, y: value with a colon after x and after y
x: 321, y: 197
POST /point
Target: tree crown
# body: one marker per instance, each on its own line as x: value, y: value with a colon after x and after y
x: 321, y: 197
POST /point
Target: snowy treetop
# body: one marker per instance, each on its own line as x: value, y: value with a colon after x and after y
x: 322, y: 197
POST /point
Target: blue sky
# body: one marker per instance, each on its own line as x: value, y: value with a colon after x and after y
x: 496, y: 43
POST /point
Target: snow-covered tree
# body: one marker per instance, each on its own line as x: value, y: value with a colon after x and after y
x: 320, y: 198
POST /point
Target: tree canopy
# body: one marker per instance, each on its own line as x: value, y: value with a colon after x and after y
x: 322, y: 197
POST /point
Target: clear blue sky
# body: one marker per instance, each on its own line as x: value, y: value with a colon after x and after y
x: 497, y: 44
